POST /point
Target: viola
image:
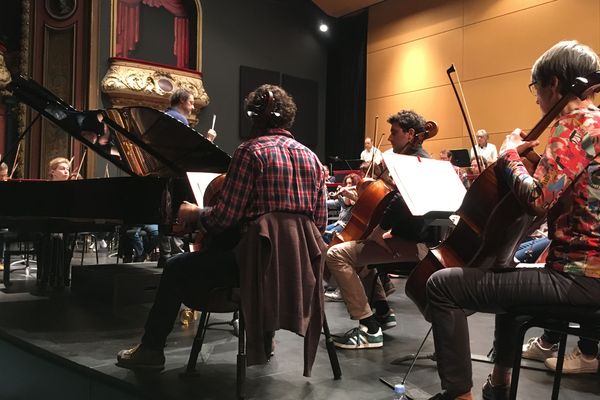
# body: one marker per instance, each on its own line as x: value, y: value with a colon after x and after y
x: 492, y: 221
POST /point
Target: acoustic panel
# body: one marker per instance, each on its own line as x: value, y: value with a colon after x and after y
x: 250, y: 79
x: 306, y: 95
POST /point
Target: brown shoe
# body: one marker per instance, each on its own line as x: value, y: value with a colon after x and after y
x: 141, y: 358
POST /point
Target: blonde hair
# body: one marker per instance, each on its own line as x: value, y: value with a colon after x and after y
x: 53, y: 164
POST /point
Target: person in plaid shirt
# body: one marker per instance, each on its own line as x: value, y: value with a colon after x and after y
x: 269, y: 172
x: 566, y: 185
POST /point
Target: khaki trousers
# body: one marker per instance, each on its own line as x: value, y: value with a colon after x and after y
x: 348, y: 263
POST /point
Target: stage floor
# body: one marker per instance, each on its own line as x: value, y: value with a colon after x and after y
x: 90, y: 333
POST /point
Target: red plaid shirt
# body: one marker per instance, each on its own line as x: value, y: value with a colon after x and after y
x: 270, y: 173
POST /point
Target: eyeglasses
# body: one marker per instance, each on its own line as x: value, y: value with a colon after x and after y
x: 533, y: 88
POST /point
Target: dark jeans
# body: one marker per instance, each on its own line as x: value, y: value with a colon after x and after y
x: 452, y: 291
x: 587, y: 346
x: 187, y: 277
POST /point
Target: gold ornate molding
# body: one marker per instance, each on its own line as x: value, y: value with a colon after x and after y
x: 138, y: 83
x: 4, y: 74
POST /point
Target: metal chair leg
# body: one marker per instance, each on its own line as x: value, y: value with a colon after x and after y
x: 559, y: 366
x: 197, y: 344
x: 333, y: 359
x: 241, y: 360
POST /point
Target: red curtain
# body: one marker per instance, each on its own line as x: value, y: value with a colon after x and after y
x: 129, y: 23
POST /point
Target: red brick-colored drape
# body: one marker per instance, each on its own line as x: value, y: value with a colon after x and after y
x: 129, y: 23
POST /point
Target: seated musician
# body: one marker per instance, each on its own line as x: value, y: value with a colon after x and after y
x: 3, y: 172
x: 565, y: 184
x: 484, y: 148
x: 394, y: 240
x: 328, y: 177
x: 345, y: 196
x: 59, y: 169
x: 262, y: 178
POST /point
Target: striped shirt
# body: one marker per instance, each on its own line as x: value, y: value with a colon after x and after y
x: 269, y: 173
x: 571, y: 161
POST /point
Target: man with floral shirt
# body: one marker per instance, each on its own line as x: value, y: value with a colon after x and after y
x: 566, y: 185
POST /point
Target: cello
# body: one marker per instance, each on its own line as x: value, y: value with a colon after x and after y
x: 374, y: 198
x: 492, y: 221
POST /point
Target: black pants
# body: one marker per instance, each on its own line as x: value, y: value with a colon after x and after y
x: 187, y: 277
x: 453, y: 290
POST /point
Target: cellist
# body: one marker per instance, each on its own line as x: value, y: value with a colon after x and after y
x: 394, y: 240
x: 565, y: 184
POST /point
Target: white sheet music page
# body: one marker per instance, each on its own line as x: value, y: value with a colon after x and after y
x: 425, y: 184
x: 199, y: 181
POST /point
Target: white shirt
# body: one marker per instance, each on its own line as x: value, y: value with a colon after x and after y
x: 373, y: 154
x: 488, y: 152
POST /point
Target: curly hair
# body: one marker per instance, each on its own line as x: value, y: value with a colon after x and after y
x: 282, y: 109
x: 356, y: 179
x: 407, y: 119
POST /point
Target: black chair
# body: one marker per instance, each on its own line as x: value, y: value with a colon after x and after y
x: 583, y: 322
x: 227, y: 300
x: 17, y: 244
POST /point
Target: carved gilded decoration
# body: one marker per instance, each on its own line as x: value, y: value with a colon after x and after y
x: 4, y: 74
x: 129, y: 83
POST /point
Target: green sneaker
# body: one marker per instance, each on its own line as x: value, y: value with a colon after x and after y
x: 386, y: 321
x: 359, y: 338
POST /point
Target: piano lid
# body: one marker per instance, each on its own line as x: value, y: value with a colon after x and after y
x: 139, y: 140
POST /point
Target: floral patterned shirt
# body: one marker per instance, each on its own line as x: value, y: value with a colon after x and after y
x: 566, y: 182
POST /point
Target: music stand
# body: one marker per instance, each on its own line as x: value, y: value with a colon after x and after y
x: 461, y: 158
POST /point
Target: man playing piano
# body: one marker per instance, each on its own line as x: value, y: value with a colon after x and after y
x: 269, y: 172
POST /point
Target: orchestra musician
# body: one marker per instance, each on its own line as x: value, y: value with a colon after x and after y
x: 565, y: 184
x: 395, y: 239
x: 345, y: 197
x: 3, y: 172
x: 269, y: 172
x: 484, y: 148
x: 59, y: 169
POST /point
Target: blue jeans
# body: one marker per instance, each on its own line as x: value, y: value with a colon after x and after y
x: 330, y: 230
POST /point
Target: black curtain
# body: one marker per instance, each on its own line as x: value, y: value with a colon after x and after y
x: 346, y: 87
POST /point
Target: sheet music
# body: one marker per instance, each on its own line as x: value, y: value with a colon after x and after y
x: 199, y: 181
x: 425, y: 184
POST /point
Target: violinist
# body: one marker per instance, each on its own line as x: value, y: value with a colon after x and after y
x: 484, y: 148
x: 396, y: 239
x: 565, y: 185
x: 269, y: 172
x: 3, y: 172
x: 345, y: 197
x: 59, y: 169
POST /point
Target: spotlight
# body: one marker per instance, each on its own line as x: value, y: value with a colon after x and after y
x: 323, y: 27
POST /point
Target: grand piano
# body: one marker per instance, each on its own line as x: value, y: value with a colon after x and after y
x: 154, y: 149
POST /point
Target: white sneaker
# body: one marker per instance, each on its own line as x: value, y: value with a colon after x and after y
x: 533, y: 350
x: 334, y: 295
x: 575, y: 363
x: 102, y: 244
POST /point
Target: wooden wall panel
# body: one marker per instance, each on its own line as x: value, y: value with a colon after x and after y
x: 479, y: 10
x: 414, y: 65
x: 514, y: 41
x: 493, y: 44
x: 395, y: 22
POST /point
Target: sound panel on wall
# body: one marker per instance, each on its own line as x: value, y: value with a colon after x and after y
x: 250, y: 79
x: 305, y: 93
